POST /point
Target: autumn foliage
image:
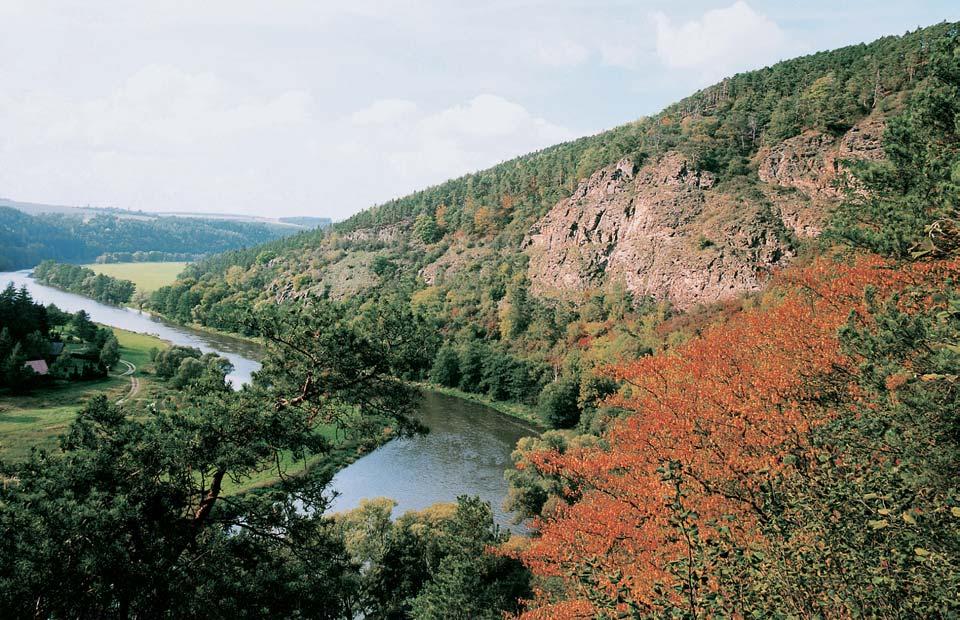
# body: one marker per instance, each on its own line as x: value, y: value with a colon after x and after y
x: 714, y: 426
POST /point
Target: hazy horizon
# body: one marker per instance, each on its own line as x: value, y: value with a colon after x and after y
x: 307, y: 110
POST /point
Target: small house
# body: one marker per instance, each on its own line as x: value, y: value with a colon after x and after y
x: 38, y: 366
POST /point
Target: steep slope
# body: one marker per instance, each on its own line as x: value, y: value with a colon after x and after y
x: 570, y: 257
x: 654, y: 229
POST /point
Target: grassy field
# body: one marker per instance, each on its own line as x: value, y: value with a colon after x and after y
x: 35, y: 420
x: 135, y: 348
x: 147, y: 276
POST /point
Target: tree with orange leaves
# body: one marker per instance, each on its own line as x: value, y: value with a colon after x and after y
x: 691, y: 507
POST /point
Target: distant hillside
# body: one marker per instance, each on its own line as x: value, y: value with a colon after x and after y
x: 81, y: 235
x: 308, y: 222
x: 34, y: 208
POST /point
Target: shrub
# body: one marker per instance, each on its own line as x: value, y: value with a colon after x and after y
x: 558, y: 404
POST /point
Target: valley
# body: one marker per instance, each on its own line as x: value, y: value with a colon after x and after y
x: 484, y: 438
x: 704, y: 364
x: 37, y: 420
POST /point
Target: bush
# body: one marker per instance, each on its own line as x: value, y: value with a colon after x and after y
x: 189, y: 371
x: 168, y: 361
x: 558, y: 404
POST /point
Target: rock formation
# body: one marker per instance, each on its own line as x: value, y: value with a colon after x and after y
x: 667, y: 232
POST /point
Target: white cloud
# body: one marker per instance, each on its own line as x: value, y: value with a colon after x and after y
x: 158, y: 107
x: 429, y: 147
x: 324, y: 107
x: 488, y: 117
x: 169, y: 139
x: 721, y: 41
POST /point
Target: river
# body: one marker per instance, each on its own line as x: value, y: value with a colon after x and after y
x: 243, y: 354
x: 465, y: 453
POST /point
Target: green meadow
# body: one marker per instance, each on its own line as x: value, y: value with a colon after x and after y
x: 147, y: 276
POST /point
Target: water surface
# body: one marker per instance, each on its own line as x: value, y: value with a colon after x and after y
x: 465, y: 453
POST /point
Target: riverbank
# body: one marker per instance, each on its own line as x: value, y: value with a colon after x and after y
x: 200, y: 327
x: 346, y: 452
x: 518, y: 411
x: 343, y: 452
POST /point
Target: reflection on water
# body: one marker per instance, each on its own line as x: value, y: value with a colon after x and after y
x: 241, y: 353
x: 465, y: 453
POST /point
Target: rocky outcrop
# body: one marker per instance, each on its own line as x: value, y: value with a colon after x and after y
x: 456, y: 258
x: 662, y: 230
x: 386, y: 234
x: 812, y: 163
x: 804, y: 162
x: 666, y: 231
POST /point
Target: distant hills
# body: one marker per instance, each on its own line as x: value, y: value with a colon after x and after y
x: 35, y: 208
x: 33, y: 232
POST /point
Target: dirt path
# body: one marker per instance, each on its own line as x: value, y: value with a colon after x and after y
x: 134, y: 381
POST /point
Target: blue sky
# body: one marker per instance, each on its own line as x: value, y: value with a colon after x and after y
x: 302, y: 107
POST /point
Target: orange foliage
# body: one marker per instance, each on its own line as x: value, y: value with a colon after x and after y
x: 484, y: 220
x: 440, y: 216
x: 727, y: 407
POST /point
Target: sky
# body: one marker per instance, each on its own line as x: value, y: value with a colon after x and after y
x: 326, y: 107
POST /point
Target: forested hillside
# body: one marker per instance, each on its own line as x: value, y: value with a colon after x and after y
x: 796, y: 459
x: 26, y: 240
x: 549, y: 266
